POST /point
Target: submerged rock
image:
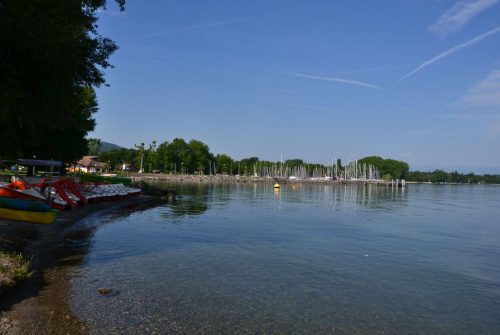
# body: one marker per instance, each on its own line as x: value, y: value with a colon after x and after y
x: 155, y: 191
x: 169, y: 196
x: 104, y: 291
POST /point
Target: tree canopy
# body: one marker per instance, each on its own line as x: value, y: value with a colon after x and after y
x: 387, y: 167
x: 51, y: 59
x: 94, y: 146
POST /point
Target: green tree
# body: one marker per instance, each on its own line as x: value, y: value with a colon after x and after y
x: 294, y: 162
x: 164, y: 164
x: 181, y: 155
x: 94, y: 146
x: 201, y: 156
x: 51, y: 59
x: 175, y: 156
x: 389, y: 168
x: 139, y: 159
x: 224, y: 163
x: 339, y: 164
x: 246, y: 165
x: 151, y: 156
x: 439, y: 176
x: 117, y: 157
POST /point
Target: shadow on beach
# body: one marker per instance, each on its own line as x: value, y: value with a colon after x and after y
x: 42, y: 304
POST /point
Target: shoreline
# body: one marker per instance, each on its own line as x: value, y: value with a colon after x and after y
x: 223, y: 178
x: 38, y: 305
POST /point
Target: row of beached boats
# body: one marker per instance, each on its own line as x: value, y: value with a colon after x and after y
x: 40, y: 202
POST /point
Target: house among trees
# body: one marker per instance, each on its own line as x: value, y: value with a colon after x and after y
x: 124, y: 167
x: 88, y: 164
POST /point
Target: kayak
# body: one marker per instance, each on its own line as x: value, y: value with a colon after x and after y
x: 24, y: 204
x: 28, y: 216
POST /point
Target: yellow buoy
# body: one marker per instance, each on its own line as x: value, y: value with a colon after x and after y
x: 276, y: 185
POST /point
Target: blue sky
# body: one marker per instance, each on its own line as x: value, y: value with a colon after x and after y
x: 412, y: 80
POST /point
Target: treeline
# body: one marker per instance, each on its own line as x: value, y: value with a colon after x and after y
x: 440, y: 176
x: 179, y: 156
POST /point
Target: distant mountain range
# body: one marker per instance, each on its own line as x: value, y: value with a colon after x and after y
x: 106, y: 146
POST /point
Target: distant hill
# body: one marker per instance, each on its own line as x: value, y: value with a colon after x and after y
x: 106, y: 146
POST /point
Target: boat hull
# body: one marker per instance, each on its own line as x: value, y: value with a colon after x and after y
x: 28, y: 216
x: 14, y: 194
x: 24, y: 205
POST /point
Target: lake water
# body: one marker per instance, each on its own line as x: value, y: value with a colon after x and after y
x: 309, y: 259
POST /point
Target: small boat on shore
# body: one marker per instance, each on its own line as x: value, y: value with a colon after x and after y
x: 63, y: 193
x: 27, y: 210
x: 38, y: 200
x: 47, y: 217
x: 24, y: 204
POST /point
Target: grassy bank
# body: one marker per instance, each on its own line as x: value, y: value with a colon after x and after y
x: 14, y: 268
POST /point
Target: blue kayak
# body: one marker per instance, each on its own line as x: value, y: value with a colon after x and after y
x: 24, y: 204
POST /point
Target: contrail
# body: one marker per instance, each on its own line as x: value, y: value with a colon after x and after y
x: 373, y: 69
x: 338, y: 80
x: 451, y: 51
x: 189, y: 28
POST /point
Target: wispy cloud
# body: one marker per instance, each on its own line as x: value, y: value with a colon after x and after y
x: 486, y: 93
x: 375, y: 69
x: 459, y: 15
x: 451, y: 51
x: 188, y: 28
x: 338, y: 80
x: 319, y: 108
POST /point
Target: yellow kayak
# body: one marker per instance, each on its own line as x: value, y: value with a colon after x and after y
x: 28, y: 216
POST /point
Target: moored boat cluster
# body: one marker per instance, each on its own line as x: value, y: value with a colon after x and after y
x: 22, y: 201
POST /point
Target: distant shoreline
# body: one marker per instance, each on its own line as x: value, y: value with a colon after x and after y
x: 223, y: 178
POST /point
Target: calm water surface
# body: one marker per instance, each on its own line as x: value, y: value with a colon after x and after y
x: 244, y: 259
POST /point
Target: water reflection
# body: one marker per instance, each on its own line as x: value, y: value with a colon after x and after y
x: 184, y: 207
x: 366, y: 195
x: 196, y: 199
